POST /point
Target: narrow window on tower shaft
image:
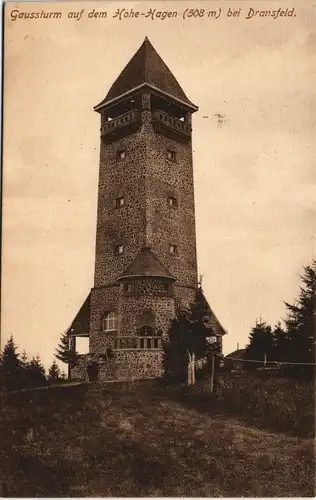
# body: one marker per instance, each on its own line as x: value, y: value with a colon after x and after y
x: 173, y: 249
x: 119, y: 249
x: 121, y: 154
x: 172, y: 202
x: 171, y: 155
x: 119, y: 202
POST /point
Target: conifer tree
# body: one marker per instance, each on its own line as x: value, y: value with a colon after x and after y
x: 301, y: 321
x: 24, y: 360
x: 24, y: 366
x: 54, y: 372
x: 35, y: 373
x: 281, y: 343
x: 10, y: 366
x: 64, y: 353
x: 175, y: 347
x: 261, y: 345
x: 188, y: 336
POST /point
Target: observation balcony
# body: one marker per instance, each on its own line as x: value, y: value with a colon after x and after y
x: 171, y: 127
x: 122, y: 125
x: 137, y: 343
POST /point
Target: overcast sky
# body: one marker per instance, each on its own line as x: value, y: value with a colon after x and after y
x: 254, y: 173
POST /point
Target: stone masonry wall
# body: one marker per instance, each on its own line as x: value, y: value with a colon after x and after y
x: 171, y: 225
x: 130, y: 310
x: 146, y: 179
x: 125, y: 365
x: 133, y: 307
x: 124, y: 225
x: 184, y: 296
x: 102, y: 300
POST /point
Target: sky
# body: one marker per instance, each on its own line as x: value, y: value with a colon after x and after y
x: 254, y: 172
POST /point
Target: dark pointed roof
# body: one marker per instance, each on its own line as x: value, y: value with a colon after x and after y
x: 81, y: 323
x: 146, y: 264
x: 215, y: 324
x: 239, y: 354
x: 146, y: 67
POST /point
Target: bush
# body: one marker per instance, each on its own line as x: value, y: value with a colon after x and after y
x: 280, y: 404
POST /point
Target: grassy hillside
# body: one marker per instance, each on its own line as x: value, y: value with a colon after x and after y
x: 262, y: 399
x: 140, y: 440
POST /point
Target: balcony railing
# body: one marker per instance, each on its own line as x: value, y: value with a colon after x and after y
x: 137, y: 343
x: 122, y: 125
x: 164, y: 122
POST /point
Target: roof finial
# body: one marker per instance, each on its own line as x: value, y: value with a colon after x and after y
x: 146, y: 39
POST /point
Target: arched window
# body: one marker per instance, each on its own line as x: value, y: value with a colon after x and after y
x: 109, y: 322
x: 146, y: 331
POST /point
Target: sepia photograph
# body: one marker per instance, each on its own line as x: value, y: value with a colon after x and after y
x: 158, y: 292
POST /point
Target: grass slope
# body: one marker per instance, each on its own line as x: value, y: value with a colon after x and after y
x: 133, y: 440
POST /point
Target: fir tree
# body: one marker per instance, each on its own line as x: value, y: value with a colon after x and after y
x: 24, y: 366
x: 24, y: 360
x: 261, y: 345
x: 301, y: 321
x: 175, y: 347
x: 10, y: 366
x: 64, y: 353
x: 281, y: 343
x: 188, y: 336
x: 35, y: 373
x: 54, y: 372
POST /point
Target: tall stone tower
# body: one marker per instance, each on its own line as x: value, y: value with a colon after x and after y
x: 145, y: 258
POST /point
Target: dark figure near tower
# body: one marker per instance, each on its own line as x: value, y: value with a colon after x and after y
x: 145, y: 258
x: 93, y: 371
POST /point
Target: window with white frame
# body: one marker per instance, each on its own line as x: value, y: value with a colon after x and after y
x: 109, y: 322
x: 173, y: 249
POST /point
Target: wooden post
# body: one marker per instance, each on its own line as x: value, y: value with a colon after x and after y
x: 72, y: 350
x: 217, y: 361
x: 189, y: 370
x: 193, y: 368
x: 212, y: 372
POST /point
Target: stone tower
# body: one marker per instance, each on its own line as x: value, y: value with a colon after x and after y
x: 145, y: 258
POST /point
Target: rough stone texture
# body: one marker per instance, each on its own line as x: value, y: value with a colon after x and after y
x: 125, y: 365
x: 146, y: 178
x: 156, y: 165
x: 167, y: 225
x: 79, y: 371
x: 132, y: 309
x: 103, y: 300
x: 184, y: 296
